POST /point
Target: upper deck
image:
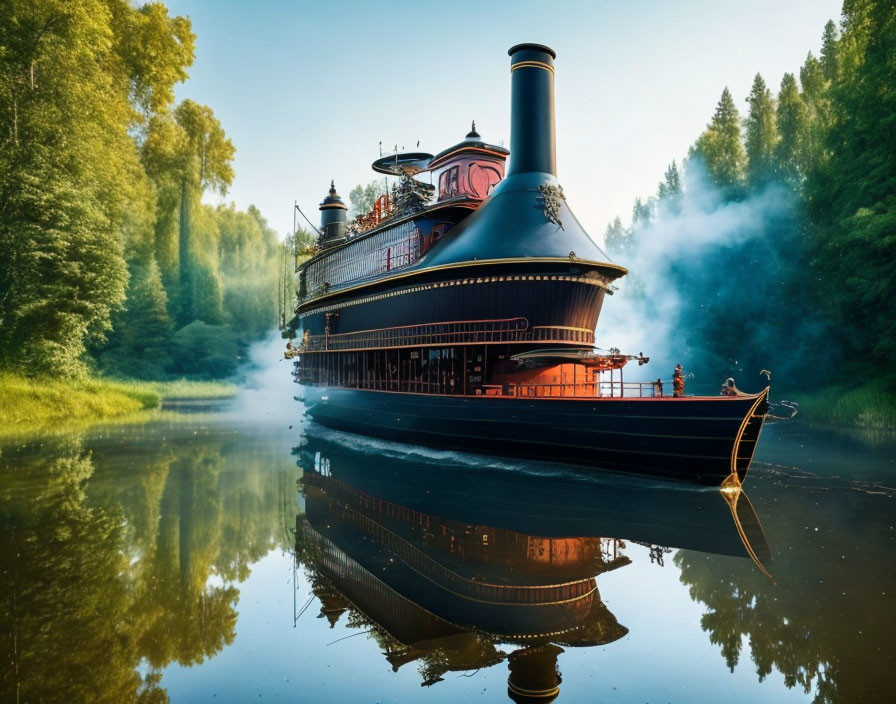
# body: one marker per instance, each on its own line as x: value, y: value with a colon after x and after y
x: 403, y: 224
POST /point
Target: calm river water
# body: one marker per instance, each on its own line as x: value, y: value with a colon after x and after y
x: 224, y: 556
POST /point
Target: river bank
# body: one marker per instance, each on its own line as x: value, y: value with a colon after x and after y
x: 870, y: 407
x: 39, y: 402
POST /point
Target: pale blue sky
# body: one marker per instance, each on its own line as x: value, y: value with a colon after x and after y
x: 306, y: 90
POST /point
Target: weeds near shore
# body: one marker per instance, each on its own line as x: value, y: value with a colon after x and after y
x: 870, y: 407
x: 43, y: 401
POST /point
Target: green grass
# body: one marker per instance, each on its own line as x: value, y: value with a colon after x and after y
x: 40, y: 402
x: 183, y: 388
x: 870, y: 407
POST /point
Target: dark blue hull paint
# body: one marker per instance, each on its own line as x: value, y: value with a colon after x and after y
x: 694, y: 439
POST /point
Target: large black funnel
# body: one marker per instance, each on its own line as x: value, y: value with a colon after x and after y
x: 532, y: 141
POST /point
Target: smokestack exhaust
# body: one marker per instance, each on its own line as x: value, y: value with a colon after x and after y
x: 532, y: 142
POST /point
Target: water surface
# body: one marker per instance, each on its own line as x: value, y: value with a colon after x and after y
x: 224, y: 556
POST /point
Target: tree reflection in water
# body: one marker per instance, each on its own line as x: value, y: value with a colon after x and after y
x: 107, y: 558
x: 827, y: 619
x: 121, y: 554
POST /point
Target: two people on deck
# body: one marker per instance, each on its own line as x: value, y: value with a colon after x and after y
x: 728, y: 388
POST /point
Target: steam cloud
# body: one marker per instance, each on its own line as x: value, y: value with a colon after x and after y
x: 708, y: 286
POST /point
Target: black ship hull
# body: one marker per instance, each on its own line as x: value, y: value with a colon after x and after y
x: 555, y: 502
x: 701, y: 440
x: 469, y: 322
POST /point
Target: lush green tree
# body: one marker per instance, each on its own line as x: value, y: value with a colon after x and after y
x: 206, y: 156
x: 812, y: 79
x: 250, y: 257
x: 63, y: 174
x: 74, y: 199
x: 140, y: 343
x: 617, y: 238
x: 161, y: 159
x: 792, y: 118
x: 642, y: 211
x: 816, y: 100
x: 206, y: 351
x: 851, y: 194
x: 670, y: 186
x: 155, y: 50
x: 363, y: 196
x: 719, y: 148
x: 829, y: 51
x: 287, y: 299
x: 761, y: 135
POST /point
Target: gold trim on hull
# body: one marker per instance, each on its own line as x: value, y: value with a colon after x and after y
x: 453, y: 282
x: 622, y: 271
x: 740, y: 434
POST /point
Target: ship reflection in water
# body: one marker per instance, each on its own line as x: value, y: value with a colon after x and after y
x: 461, y: 568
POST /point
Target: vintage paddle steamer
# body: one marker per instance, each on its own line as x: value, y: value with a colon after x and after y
x: 461, y: 313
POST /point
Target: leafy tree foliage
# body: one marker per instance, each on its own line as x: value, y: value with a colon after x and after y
x: 65, y: 177
x: 761, y: 135
x: 89, y: 198
x: 720, y: 147
x: 362, y: 197
x: 790, y: 155
x: 641, y: 211
x: 670, y: 186
x: 616, y: 237
x: 851, y: 192
x: 814, y: 175
x: 109, y: 556
x: 829, y: 51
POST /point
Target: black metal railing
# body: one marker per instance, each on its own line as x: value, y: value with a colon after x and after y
x: 447, y: 333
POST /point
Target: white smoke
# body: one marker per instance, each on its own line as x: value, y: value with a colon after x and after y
x: 267, y: 390
x: 647, y: 313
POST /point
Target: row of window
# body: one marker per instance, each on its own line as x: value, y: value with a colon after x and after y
x: 393, y: 248
x: 422, y: 563
x: 448, y: 370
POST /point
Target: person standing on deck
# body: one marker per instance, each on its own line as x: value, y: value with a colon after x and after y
x: 677, y: 382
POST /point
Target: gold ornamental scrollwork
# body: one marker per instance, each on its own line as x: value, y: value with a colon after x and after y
x: 551, y: 195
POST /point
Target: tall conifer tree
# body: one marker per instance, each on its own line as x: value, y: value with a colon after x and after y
x: 790, y: 157
x: 851, y: 194
x: 719, y: 148
x: 829, y: 51
x: 761, y: 134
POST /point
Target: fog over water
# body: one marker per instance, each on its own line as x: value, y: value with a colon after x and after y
x: 705, y: 286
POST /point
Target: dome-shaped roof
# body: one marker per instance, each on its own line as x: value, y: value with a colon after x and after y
x: 473, y: 141
x: 333, y: 199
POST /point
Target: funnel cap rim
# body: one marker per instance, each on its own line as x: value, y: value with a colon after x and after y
x: 531, y: 47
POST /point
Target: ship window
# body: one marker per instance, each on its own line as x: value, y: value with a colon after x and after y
x: 448, y: 183
x: 483, y: 177
x: 439, y: 231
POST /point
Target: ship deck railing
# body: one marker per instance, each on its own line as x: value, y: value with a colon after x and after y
x: 449, y: 386
x: 447, y: 333
x: 597, y: 389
